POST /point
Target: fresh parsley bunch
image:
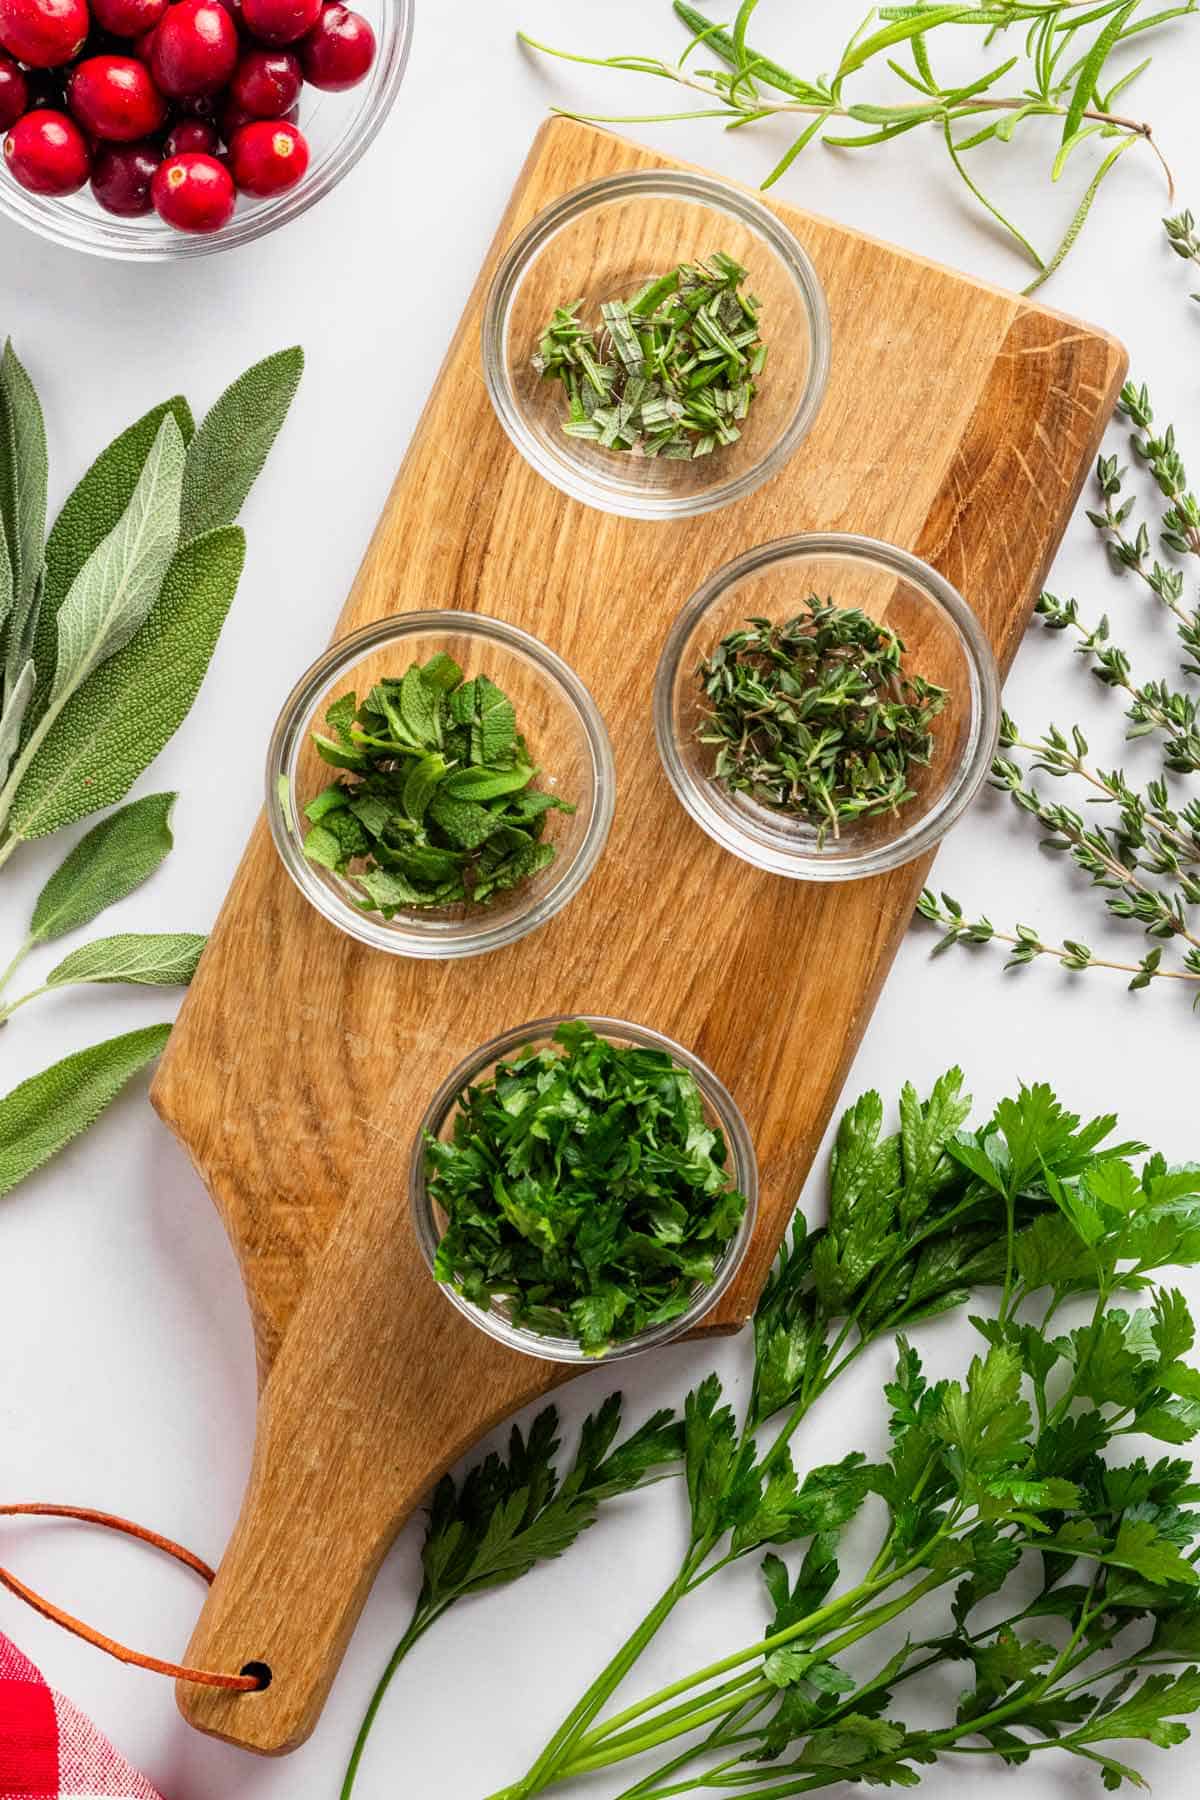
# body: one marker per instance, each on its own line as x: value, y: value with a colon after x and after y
x: 585, y: 1187
x: 441, y: 810
x: 1016, y: 1470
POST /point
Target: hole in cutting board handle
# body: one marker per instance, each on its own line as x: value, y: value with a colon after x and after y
x: 261, y: 1672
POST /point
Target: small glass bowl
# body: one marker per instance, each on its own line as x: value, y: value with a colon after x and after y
x: 338, y: 127
x: 721, y: 1110
x: 567, y: 738
x: 943, y: 641
x: 607, y: 239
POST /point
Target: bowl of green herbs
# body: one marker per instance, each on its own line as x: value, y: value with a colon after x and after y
x: 826, y: 707
x: 656, y: 344
x: 440, y: 784
x: 583, y: 1188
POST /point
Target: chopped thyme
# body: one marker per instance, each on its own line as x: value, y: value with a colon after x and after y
x: 816, y: 717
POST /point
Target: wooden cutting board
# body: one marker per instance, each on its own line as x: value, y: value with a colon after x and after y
x: 960, y: 422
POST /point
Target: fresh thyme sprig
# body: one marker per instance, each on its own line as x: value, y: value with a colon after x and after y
x: 1061, y: 62
x: 1183, y: 238
x: 1147, y: 862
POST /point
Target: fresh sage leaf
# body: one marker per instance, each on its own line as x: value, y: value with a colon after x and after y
x: 23, y: 477
x: 116, y: 588
x: 44, y: 1114
x: 147, y: 959
x: 228, y: 452
x: 16, y: 704
x: 7, y: 590
x: 119, y: 720
x: 115, y: 857
x: 91, y: 511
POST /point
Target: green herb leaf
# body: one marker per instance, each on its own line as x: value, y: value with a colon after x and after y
x: 114, y: 857
x: 115, y: 590
x: 156, y: 959
x: 91, y: 512
x: 116, y: 724
x: 43, y: 1114
x: 23, y: 476
x: 229, y: 451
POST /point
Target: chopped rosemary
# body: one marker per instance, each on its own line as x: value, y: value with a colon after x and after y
x: 816, y: 717
x: 439, y: 809
x: 671, y: 372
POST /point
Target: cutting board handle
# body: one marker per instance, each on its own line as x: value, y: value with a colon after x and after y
x: 355, y: 1424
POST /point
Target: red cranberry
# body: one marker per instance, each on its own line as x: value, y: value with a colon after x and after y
x: 121, y: 177
x: 268, y: 157
x: 114, y: 99
x: 128, y: 18
x: 142, y: 46
x: 280, y: 21
x: 14, y: 92
x: 195, y: 48
x: 47, y: 153
x: 338, y: 50
x: 43, y: 33
x: 266, y: 83
x: 193, y: 192
x: 195, y: 135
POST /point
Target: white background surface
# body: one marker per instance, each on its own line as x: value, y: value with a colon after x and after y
x: 126, y: 1378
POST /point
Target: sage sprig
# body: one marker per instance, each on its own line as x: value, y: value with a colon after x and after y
x: 1142, y: 849
x: 107, y: 627
x: 113, y: 619
x: 1058, y: 68
x: 113, y: 859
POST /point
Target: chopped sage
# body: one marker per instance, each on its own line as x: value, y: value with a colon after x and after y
x: 436, y: 805
x: 816, y: 717
x: 671, y: 372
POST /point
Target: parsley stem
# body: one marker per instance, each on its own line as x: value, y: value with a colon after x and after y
x: 546, y: 1768
x: 417, y: 1628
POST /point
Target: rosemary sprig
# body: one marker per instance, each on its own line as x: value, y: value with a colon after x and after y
x: 1058, y: 71
x: 671, y: 372
x: 816, y: 717
x: 1146, y: 862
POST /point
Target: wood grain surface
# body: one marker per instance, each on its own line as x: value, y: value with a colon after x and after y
x: 959, y: 422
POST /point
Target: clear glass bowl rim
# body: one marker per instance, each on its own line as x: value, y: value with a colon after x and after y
x: 294, y: 721
x: 743, y: 1167
x: 123, y: 240
x: 792, y: 860
x: 654, y: 183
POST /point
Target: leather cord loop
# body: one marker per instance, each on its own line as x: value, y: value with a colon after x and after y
x: 244, y: 1684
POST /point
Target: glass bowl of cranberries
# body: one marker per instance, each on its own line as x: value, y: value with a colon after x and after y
x: 153, y: 129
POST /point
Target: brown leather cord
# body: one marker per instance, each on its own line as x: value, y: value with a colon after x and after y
x: 242, y: 1684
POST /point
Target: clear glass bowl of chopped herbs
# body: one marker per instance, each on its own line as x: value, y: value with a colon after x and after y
x: 826, y: 707
x: 440, y: 784
x: 583, y: 1188
x: 656, y: 344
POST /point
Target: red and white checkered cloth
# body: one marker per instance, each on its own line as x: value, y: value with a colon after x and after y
x: 48, y: 1750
